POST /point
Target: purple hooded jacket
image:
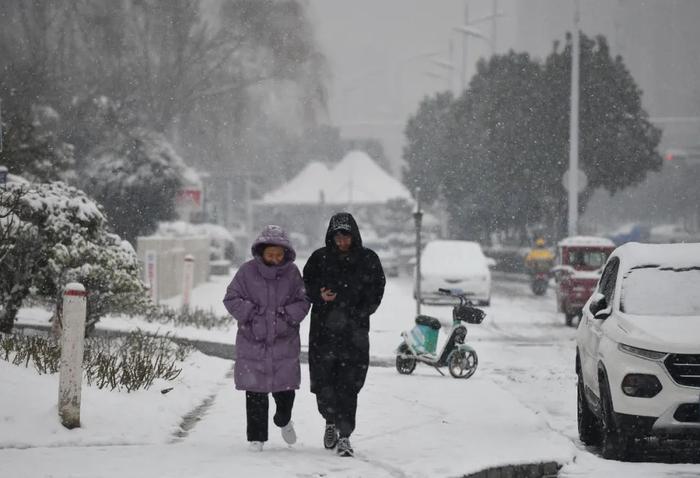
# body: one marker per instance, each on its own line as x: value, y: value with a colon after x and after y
x: 269, y: 303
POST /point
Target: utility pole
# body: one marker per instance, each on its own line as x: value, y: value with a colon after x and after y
x: 465, y: 55
x: 494, y: 27
x: 573, y: 126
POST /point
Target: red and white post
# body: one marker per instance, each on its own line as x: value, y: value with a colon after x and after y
x: 187, y: 281
x: 72, y: 347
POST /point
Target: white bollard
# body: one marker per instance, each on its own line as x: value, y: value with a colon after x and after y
x: 187, y: 281
x: 72, y: 346
x: 151, y: 271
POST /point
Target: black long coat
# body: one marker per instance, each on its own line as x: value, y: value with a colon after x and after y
x: 340, y: 329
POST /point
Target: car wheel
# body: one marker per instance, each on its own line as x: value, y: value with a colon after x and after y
x: 615, y: 442
x: 462, y: 364
x: 588, y: 431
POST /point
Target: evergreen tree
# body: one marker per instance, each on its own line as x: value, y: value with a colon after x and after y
x: 617, y: 142
x: 426, y: 165
x: 54, y: 234
x: 136, y: 177
x: 499, y: 151
x: 32, y: 147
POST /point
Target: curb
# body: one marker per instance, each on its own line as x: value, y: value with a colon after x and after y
x: 530, y: 470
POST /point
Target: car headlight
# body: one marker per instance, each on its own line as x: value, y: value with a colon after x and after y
x: 641, y: 385
x: 642, y: 353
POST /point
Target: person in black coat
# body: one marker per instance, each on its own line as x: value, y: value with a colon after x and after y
x: 345, y: 284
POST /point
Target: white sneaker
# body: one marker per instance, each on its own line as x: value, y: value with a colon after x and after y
x: 344, y: 447
x: 288, y: 433
x: 255, y: 445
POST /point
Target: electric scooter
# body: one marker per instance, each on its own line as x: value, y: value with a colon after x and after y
x: 539, y: 282
x: 420, y: 343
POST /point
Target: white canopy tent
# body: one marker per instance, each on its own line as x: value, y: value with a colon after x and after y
x: 356, y: 180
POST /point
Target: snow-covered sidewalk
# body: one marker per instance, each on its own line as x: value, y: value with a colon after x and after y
x: 414, y: 426
x: 418, y: 425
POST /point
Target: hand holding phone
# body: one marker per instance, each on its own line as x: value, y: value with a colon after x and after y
x: 327, y: 294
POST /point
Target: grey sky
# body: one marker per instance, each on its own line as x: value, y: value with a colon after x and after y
x: 374, y: 47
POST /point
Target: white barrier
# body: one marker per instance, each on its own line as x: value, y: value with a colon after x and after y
x: 72, y: 347
x: 163, y: 263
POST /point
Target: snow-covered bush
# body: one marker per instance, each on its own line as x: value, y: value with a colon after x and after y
x: 55, y: 235
x: 135, y: 176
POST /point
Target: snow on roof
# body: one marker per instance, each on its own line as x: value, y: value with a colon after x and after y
x: 191, y: 176
x: 305, y: 188
x: 586, y: 241
x: 356, y: 179
x: 634, y: 254
x: 660, y: 279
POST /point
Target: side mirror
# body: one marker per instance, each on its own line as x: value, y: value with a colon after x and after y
x: 599, y: 306
x: 490, y: 262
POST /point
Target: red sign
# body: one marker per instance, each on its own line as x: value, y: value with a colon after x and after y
x: 190, y: 197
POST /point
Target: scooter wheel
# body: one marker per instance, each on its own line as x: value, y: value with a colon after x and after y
x: 462, y: 364
x: 405, y: 365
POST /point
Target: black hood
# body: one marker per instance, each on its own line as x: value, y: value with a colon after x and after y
x: 343, y: 221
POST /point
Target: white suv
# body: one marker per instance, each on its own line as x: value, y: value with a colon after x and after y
x: 638, y: 348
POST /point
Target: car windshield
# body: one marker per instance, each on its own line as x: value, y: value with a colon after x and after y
x: 663, y: 291
x: 586, y: 259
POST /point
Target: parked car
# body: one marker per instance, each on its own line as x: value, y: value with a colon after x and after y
x: 580, y: 260
x: 638, y: 348
x: 455, y: 265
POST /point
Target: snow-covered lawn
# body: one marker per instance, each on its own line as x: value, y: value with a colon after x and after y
x: 29, y: 416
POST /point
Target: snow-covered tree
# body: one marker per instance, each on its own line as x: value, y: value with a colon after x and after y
x: 32, y: 147
x: 499, y: 150
x: 135, y: 176
x: 56, y: 235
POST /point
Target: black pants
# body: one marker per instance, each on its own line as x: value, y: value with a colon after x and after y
x: 257, y: 406
x: 338, y: 383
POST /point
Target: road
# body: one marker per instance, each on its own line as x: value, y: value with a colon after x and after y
x: 526, y: 348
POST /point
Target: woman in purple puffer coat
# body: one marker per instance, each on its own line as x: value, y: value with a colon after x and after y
x: 268, y: 300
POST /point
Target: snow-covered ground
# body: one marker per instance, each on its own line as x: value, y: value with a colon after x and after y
x: 519, y: 407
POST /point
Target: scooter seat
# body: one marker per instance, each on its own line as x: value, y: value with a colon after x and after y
x: 431, y: 322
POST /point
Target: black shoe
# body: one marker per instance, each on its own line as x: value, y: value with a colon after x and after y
x: 344, y: 448
x: 330, y: 437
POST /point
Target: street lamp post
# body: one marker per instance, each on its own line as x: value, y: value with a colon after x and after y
x: 418, y: 218
x: 573, y: 126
